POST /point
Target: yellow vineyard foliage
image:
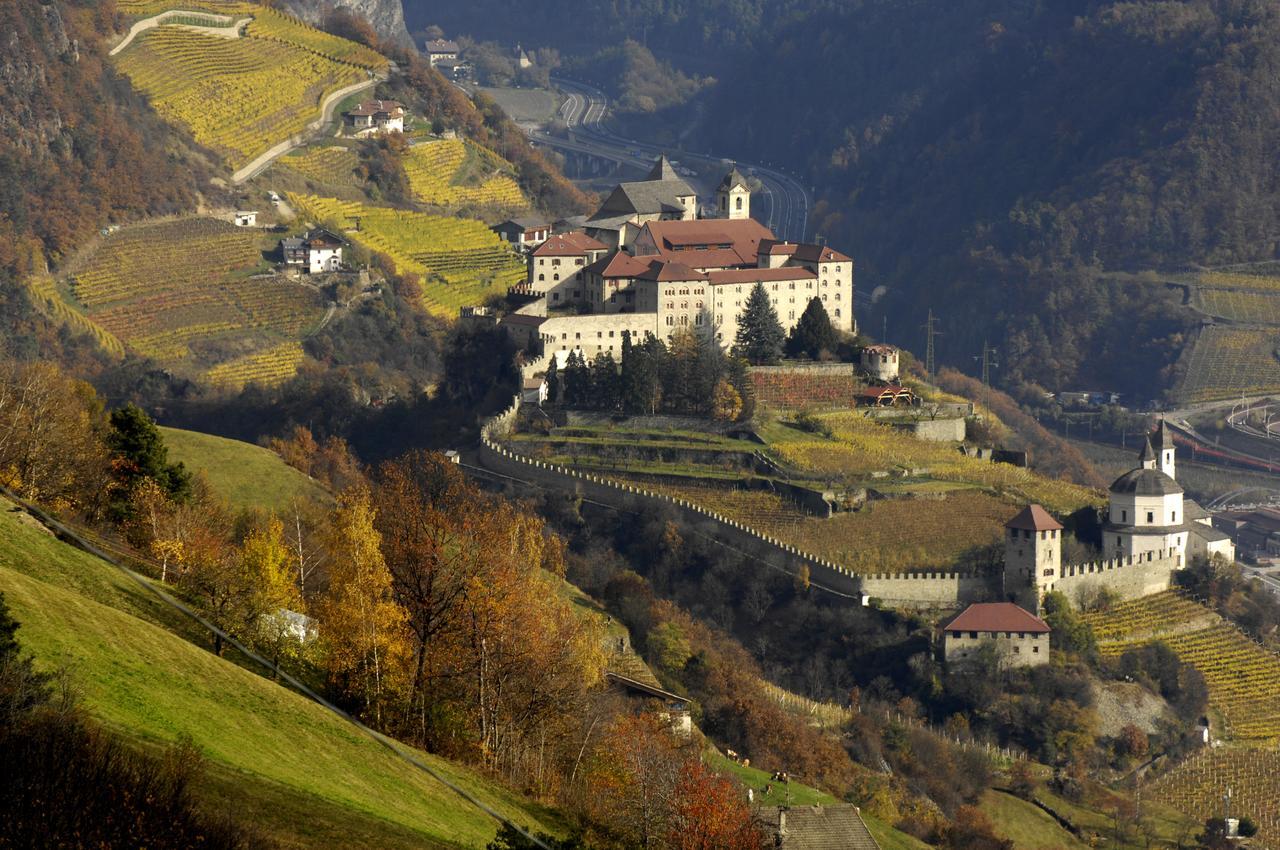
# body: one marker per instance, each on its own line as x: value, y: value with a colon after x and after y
x: 453, y: 173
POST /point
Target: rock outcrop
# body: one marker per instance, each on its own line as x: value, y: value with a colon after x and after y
x: 386, y: 16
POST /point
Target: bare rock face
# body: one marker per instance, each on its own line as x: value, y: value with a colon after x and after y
x: 386, y: 16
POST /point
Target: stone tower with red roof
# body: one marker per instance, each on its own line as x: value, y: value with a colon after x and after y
x: 1032, y: 556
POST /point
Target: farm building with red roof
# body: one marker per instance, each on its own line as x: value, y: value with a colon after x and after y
x: 1015, y: 636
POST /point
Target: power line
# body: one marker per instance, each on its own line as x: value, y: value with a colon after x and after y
x: 391, y: 744
x: 930, y: 331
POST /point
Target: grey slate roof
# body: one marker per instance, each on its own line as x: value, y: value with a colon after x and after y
x: 1164, y: 437
x: 663, y: 170
x: 1192, y: 510
x: 1208, y: 532
x: 1148, y: 453
x: 1145, y: 482
x: 733, y: 178
x: 837, y: 827
x: 645, y: 197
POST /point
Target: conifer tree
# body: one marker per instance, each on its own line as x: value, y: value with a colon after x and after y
x: 553, y: 381
x: 813, y: 334
x: 605, y: 384
x: 760, y: 335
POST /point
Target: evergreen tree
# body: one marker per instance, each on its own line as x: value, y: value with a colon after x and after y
x: 813, y: 334
x: 627, y: 378
x: 138, y: 453
x: 577, y: 380
x: 605, y: 383
x: 640, y: 388
x: 760, y: 335
x: 553, y: 381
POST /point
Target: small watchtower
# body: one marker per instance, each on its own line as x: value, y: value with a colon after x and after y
x: 1032, y: 556
x: 733, y: 196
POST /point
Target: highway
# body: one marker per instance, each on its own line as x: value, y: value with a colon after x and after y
x: 783, y: 204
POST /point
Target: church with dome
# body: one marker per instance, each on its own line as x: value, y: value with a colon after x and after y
x: 1151, y: 530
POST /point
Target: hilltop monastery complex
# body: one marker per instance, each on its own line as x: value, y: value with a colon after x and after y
x: 646, y: 263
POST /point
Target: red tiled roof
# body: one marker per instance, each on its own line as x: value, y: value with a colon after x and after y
x: 378, y: 107
x: 620, y: 264
x: 661, y: 271
x: 743, y: 235
x: 997, y: 617
x: 568, y: 244
x: 1034, y: 518
x: 760, y: 275
x: 804, y: 251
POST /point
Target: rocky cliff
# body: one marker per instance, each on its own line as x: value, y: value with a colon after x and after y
x: 386, y: 16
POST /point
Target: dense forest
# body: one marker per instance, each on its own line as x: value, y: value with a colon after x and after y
x: 994, y: 159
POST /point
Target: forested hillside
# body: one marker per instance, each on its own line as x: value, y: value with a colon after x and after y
x: 991, y: 158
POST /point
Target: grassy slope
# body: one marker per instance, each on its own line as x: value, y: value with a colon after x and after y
x: 244, y: 474
x: 300, y: 771
x: 1028, y: 827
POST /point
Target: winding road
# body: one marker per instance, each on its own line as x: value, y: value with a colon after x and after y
x: 783, y: 205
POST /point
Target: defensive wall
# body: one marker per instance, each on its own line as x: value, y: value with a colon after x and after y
x: 923, y: 590
x: 936, y: 589
x: 1131, y: 576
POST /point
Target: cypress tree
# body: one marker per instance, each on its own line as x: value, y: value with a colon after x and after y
x: 553, y: 381
x: 813, y: 334
x: 760, y: 335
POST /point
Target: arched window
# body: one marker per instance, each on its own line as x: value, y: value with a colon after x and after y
x: 542, y: 277
x: 739, y: 202
x: 671, y: 320
x: 837, y: 312
x: 556, y: 276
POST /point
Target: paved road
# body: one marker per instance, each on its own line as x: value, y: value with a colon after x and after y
x: 783, y: 204
x: 262, y: 160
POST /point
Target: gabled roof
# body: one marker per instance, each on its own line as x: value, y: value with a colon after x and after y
x: 568, y: 245
x: 320, y: 236
x: 648, y: 197
x: 837, y: 827
x: 378, y: 107
x: 441, y: 45
x: 528, y: 222
x: 671, y: 271
x: 997, y: 617
x: 754, y: 275
x: 663, y: 170
x: 620, y: 264
x: 1034, y: 518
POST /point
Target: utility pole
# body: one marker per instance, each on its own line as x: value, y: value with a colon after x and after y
x: 930, y: 331
x: 988, y: 363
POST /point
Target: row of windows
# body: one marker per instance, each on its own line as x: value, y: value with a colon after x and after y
x: 1050, y: 534
x: 1151, y: 517
x: 1021, y: 635
x: 555, y: 261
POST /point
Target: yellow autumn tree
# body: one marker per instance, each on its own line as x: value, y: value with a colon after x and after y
x: 267, y: 559
x: 362, y: 626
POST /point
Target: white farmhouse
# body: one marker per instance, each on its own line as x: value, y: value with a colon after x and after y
x: 317, y: 251
x: 375, y: 116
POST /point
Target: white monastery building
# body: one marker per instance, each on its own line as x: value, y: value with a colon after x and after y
x: 646, y: 264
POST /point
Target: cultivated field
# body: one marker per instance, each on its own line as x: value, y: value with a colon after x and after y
x: 1227, y: 362
x: 451, y: 173
x: 1197, y: 785
x: 239, y: 97
x: 329, y: 166
x: 245, y: 475
x: 160, y: 288
x: 859, y: 447
x: 1253, y: 308
x: 461, y: 261
x: 270, y: 366
x: 1243, y: 677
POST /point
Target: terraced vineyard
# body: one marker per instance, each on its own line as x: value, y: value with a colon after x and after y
x: 1227, y: 362
x: 146, y: 8
x: 437, y: 175
x: 460, y: 260
x: 860, y: 447
x: 1257, y: 308
x: 158, y: 288
x: 1239, y: 280
x: 1148, y: 615
x: 271, y: 366
x: 1243, y: 677
x: 239, y: 97
x: 1196, y: 786
x: 331, y: 166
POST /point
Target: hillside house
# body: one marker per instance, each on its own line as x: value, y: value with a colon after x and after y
x: 838, y: 827
x: 441, y: 49
x: 375, y: 116
x: 523, y: 233
x: 1020, y: 638
x: 674, y: 708
x: 316, y: 251
x: 246, y: 218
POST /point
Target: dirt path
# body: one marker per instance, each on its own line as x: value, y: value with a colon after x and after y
x: 262, y: 160
x: 231, y: 28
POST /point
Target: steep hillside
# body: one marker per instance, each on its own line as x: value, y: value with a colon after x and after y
x: 385, y: 16
x: 244, y: 474
x: 306, y: 776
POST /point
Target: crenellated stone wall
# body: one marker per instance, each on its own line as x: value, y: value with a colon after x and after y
x: 1131, y: 576
x: 936, y: 589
